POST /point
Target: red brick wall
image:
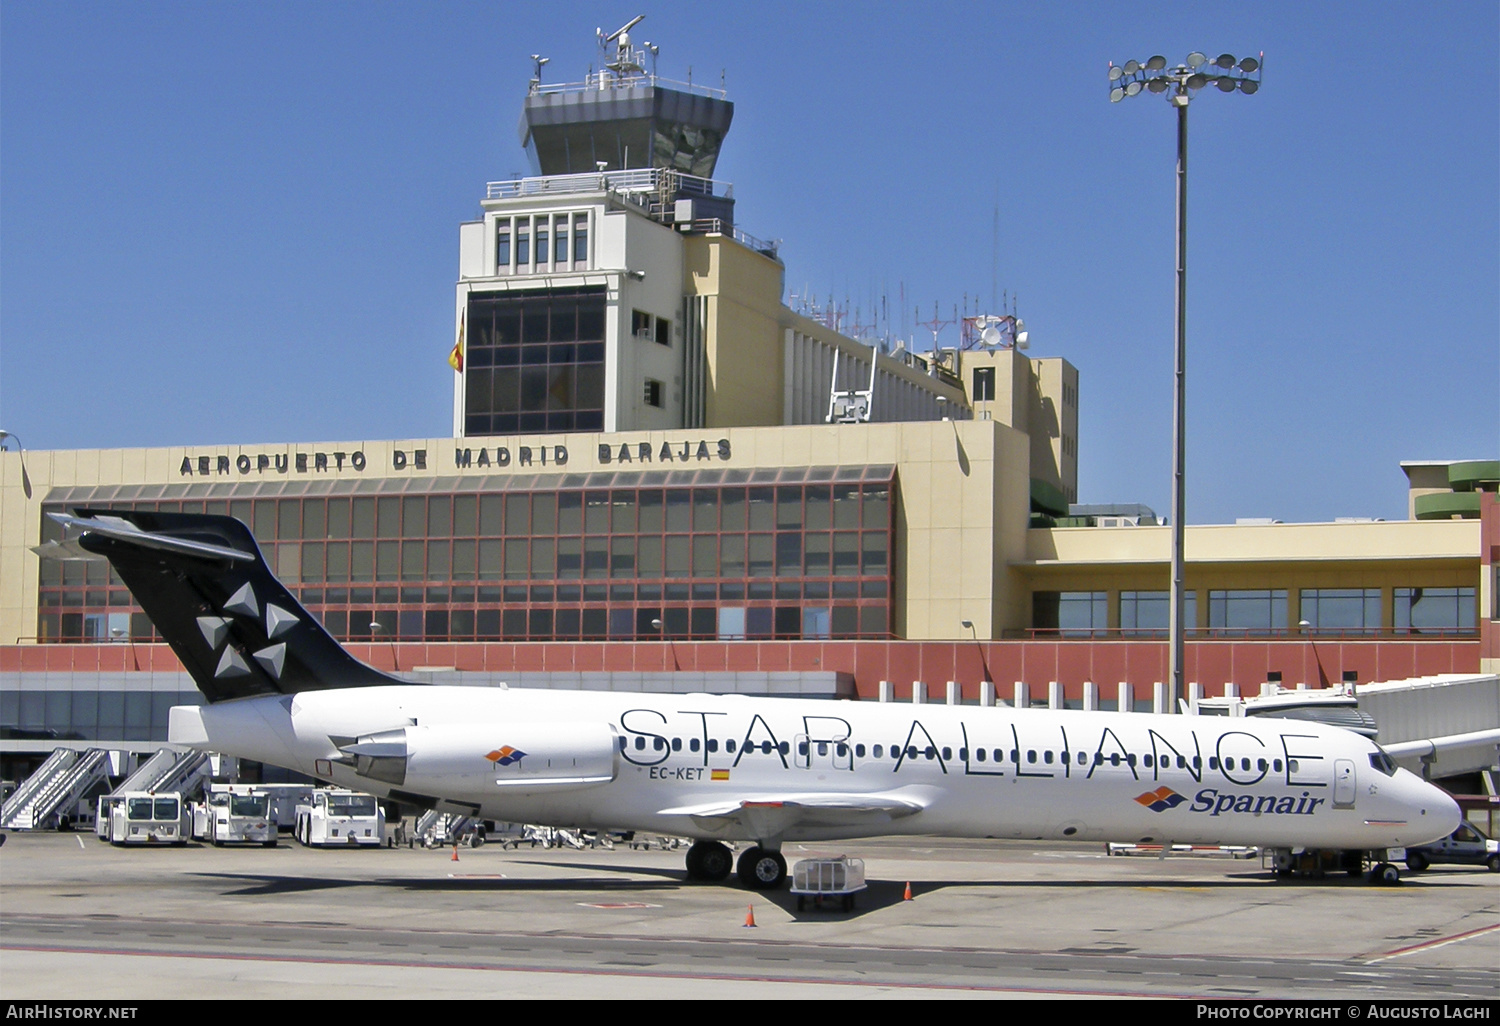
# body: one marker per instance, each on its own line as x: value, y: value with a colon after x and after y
x: 1036, y: 662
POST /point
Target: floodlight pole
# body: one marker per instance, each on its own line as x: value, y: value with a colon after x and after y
x: 1180, y: 82
x: 1175, y: 633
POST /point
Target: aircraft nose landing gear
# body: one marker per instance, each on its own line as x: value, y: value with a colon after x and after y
x: 762, y: 870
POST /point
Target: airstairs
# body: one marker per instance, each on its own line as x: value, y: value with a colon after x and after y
x: 435, y: 829
x: 170, y: 770
x: 56, y: 787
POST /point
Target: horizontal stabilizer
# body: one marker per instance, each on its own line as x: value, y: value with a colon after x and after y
x: 204, y: 584
x: 120, y: 529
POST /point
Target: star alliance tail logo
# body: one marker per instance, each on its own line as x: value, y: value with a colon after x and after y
x: 1160, y: 800
x: 506, y: 756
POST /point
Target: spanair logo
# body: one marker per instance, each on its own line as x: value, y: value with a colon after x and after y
x: 506, y: 756
x: 1160, y: 800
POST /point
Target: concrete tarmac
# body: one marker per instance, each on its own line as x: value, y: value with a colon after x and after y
x: 82, y: 920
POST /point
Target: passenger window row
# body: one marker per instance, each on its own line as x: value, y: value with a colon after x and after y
x: 984, y: 755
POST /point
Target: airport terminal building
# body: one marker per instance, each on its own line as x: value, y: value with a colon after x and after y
x: 661, y: 476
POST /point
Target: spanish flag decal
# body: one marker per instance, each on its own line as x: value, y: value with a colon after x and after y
x: 719, y: 775
x: 456, y: 358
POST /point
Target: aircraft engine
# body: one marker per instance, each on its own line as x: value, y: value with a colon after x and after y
x: 518, y: 757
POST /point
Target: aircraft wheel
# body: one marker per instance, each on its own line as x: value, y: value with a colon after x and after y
x: 762, y: 870
x: 709, y: 860
x: 1385, y: 875
x: 1416, y: 861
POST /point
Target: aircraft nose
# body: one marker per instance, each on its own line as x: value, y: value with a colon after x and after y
x: 1438, y: 813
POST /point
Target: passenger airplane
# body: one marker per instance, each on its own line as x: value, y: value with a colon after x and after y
x: 721, y: 768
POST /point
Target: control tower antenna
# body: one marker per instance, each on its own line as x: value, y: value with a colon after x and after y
x: 536, y: 78
x: 626, y: 62
x: 936, y: 325
x: 995, y: 250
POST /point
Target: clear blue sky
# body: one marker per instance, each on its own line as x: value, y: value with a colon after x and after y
x: 238, y: 222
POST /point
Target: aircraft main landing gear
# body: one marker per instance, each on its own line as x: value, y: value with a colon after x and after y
x: 762, y: 870
x: 709, y: 860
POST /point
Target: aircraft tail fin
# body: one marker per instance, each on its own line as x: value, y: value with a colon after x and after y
x: 205, y: 585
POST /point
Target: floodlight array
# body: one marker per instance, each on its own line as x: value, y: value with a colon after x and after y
x: 1225, y: 71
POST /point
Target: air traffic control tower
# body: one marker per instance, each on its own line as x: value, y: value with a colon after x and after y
x: 623, y: 119
x: 613, y: 291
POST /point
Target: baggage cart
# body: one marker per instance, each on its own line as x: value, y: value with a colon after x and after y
x: 838, y: 878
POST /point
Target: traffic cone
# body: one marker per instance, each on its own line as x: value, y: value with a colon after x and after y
x: 908, y: 891
x: 455, y: 853
x: 749, y: 915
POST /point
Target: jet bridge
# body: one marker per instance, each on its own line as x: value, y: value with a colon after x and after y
x: 1440, y: 726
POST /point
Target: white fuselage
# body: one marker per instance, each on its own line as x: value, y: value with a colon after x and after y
x: 647, y: 762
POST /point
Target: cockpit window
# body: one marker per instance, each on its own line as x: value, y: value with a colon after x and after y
x: 1383, y: 762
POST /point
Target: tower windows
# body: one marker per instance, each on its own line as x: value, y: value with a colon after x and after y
x: 580, y: 239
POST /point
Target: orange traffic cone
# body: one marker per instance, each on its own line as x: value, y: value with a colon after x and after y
x: 908, y: 891
x: 455, y: 853
x: 749, y: 915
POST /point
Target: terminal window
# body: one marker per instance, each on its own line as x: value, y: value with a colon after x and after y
x: 1248, y: 611
x: 790, y: 553
x: 542, y: 239
x: 1070, y: 613
x: 1434, y: 610
x: 534, y: 362
x: 984, y: 385
x: 580, y: 239
x: 647, y: 328
x: 1147, y: 613
x: 1353, y: 611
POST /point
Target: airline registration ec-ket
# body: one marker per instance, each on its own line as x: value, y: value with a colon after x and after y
x: 720, y: 768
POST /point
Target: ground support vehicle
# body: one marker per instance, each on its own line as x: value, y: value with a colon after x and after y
x: 104, y: 811
x: 441, y: 829
x: 1468, y: 846
x: 339, y: 818
x: 234, y: 814
x: 1233, y: 851
x: 837, y: 879
x: 284, y: 799
x: 1316, y: 863
x: 649, y: 842
x: 141, y: 817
